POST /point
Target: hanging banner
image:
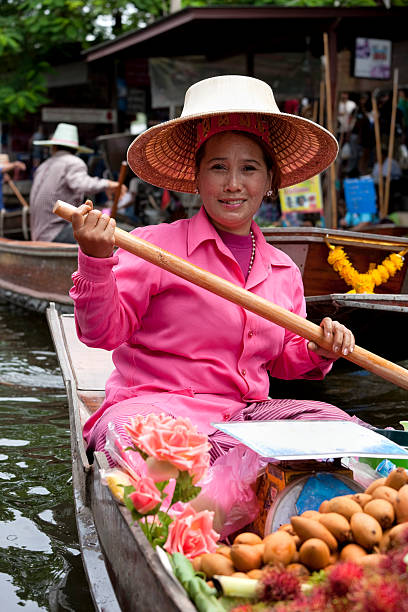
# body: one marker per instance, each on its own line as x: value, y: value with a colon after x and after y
x: 304, y: 197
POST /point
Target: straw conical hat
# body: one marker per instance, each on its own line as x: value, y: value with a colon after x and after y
x: 164, y: 155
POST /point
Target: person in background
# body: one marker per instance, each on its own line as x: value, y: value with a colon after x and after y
x: 7, y: 166
x: 63, y: 176
x: 178, y: 348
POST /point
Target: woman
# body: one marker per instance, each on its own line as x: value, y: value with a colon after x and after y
x: 178, y: 348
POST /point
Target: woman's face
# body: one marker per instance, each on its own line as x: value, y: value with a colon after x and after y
x: 232, y: 180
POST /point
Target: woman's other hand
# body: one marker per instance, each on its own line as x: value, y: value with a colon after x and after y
x: 93, y: 230
x: 341, y: 338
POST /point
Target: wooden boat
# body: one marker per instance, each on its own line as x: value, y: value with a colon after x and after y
x: 15, y: 223
x: 374, y: 318
x: 123, y: 570
x: 33, y: 274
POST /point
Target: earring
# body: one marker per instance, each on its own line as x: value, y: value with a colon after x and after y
x: 269, y: 193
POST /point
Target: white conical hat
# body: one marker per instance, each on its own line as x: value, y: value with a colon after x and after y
x: 65, y: 135
x: 165, y: 154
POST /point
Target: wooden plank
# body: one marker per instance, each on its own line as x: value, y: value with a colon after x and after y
x: 91, y: 366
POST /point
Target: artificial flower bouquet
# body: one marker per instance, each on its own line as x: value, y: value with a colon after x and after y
x: 167, y: 459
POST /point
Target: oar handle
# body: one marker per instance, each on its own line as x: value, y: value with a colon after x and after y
x: 250, y: 301
x: 15, y: 190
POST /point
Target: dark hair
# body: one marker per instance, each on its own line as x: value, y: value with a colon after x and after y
x: 268, y: 155
x: 64, y: 148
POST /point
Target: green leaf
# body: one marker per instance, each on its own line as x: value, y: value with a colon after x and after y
x: 184, y: 490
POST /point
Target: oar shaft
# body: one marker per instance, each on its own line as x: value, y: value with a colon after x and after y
x: 250, y: 301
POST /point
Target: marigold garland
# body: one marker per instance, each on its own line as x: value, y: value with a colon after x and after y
x: 375, y: 276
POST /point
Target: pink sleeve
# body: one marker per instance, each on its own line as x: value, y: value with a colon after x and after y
x: 296, y: 361
x: 110, y: 298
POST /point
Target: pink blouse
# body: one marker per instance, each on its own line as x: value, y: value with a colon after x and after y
x: 209, y: 356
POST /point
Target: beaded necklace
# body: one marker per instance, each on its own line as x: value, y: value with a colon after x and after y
x: 251, y: 261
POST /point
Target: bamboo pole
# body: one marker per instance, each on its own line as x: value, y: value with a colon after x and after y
x: 321, y: 104
x: 252, y: 302
x: 379, y: 155
x: 391, y: 144
x: 15, y: 190
x: 329, y: 107
x: 122, y: 176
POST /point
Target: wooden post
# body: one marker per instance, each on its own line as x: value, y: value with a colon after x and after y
x: 391, y: 144
x: 379, y: 155
x: 122, y: 176
x: 322, y: 103
x: 246, y: 299
x: 329, y: 108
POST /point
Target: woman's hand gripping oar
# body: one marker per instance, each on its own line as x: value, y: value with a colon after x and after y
x: 294, y: 323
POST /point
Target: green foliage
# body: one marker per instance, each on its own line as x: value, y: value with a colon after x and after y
x: 184, y: 490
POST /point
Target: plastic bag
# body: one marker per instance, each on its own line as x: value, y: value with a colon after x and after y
x: 227, y: 491
x: 129, y: 460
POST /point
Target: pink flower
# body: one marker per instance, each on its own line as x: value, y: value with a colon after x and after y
x: 191, y: 533
x: 146, y: 497
x: 173, y: 440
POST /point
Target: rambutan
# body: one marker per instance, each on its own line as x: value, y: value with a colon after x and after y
x: 341, y: 578
x: 278, y: 585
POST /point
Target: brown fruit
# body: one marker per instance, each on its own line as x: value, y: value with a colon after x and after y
x: 397, y: 536
x: 260, y: 547
x: 280, y: 547
x: 245, y: 557
x: 382, y: 510
x: 401, y: 504
x: 338, y: 525
x: 224, y: 550
x: 366, y: 530
x: 286, y: 527
x: 315, y: 554
x: 373, y: 560
x: 397, y: 478
x: 352, y: 552
x: 299, y: 570
x: 376, y: 483
x: 241, y: 574
x: 247, y: 538
x: 343, y: 505
x: 255, y: 574
x: 387, y: 493
x: 311, y: 514
x: 361, y: 498
x: 213, y: 563
x: 308, y: 528
x: 324, y: 506
x: 196, y: 563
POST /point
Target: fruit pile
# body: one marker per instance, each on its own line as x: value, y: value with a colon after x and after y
x: 360, y: 528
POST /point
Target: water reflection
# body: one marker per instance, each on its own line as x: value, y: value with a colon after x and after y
x: 40, y: 563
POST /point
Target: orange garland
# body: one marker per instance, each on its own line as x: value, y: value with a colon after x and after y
x: 375, y: 276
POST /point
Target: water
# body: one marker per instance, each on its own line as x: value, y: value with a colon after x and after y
x: 40, y: 563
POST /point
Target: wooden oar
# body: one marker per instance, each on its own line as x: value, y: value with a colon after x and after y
x: 157, y: 256
x: 122, y: 176
x: 15, y: 189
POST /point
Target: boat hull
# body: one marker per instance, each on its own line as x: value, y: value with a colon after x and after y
x: 375, y: 319
x: 33, y: 274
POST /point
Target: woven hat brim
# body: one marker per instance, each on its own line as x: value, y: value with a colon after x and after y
x: 50, y: 143
x: 164, y: 155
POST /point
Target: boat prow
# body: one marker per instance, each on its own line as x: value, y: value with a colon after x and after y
x: 123, y: 570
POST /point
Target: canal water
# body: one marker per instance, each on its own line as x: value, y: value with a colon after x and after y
x: 40, y: 562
